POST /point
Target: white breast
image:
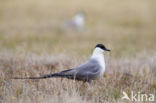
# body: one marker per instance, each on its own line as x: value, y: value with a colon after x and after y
x: 99, y: 56
x: 102, y: 64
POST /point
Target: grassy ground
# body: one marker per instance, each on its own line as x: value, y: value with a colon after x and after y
x: 32, y: 43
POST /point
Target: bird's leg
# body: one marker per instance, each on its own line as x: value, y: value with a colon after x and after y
x: 90, y: 81
x: 74, y: 77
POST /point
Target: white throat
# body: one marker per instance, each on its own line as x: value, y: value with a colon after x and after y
x: 98, y: 54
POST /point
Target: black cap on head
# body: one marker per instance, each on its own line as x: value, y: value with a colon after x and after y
x: 102, y: 47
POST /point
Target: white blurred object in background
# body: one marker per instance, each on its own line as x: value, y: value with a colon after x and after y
x: 77, y: 22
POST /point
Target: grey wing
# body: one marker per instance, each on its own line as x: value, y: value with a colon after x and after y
x: 85, y: 72
x: 88, y: 71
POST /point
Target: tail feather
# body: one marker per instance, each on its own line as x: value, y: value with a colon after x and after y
x: 42, y: 77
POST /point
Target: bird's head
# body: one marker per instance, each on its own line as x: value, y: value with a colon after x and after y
x: 100, y: 48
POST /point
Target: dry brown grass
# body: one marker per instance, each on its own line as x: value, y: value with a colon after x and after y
x: 137, y: 74
x: 32, y: 44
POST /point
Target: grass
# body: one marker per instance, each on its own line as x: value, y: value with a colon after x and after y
x: 32, y: 44
x: 121, y: 75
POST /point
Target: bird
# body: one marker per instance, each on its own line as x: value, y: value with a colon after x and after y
x: 77, y: 22
x: 86, y: 72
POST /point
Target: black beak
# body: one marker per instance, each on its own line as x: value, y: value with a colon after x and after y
x: 107, y: 50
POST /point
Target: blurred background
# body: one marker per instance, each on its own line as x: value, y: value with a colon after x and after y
x: 127, y: 27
